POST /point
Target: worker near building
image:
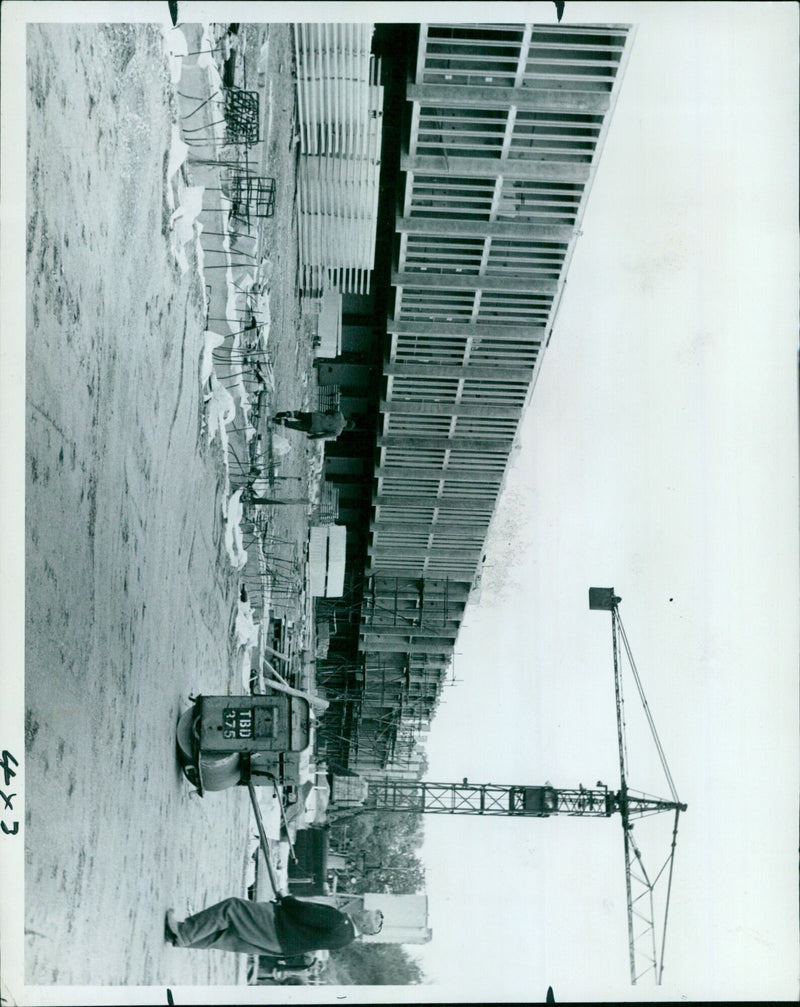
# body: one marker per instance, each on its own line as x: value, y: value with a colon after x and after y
x: 287, y: 926
x: 317, y: 425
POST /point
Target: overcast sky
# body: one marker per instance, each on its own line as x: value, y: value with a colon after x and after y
x: 659, y: 456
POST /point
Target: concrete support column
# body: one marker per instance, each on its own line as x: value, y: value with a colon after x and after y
x: 424, y: 407
x: 475, y: 330
x: 445, y: 527
x: 421, y: 442
x: 490, y: 167
x: 526, y: 98
x: 521, y: 283
x: 409, y: 634
x: 387, y: 571
x: 457, y: 371
x: 463, y: 502
x: 451, y: 475
x: 431, y: 623
x: 396, y: 646
x: 412, y: 552
x: 385, y: 590
x: 468, y: 228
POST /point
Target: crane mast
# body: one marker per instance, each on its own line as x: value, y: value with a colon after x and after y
x: 638, y: 885
x: 602, y: 601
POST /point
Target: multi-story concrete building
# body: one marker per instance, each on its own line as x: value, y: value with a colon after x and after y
x: 492, y: 135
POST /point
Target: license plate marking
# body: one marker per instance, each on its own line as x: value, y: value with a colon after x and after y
x: 237, y: 723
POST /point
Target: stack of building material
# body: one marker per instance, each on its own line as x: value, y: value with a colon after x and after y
x: 329, y: 326
x: 326, y: 557
x: 340, y: 107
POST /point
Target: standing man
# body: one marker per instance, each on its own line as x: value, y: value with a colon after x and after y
x: 317, y: 425
x: 287, y: 926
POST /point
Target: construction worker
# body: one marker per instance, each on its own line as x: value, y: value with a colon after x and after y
x: 317, y: 425
x: 287, y: 926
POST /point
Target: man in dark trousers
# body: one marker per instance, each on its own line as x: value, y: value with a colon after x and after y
x: 287, y: 926
x: 317, y: 425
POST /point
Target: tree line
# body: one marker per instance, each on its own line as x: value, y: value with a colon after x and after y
x: 383, y: 850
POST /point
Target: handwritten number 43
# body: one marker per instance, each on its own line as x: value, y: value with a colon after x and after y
x: 8, y: 773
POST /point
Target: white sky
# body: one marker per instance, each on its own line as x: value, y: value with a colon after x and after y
x: 659, y: 456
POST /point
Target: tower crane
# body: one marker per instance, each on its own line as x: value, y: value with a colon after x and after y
x: 466, y: 798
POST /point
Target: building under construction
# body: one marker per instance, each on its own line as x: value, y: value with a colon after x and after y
x: 491, y: 135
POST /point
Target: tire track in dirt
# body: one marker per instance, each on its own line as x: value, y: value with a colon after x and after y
x: 121, y: 517
x: 180, y: 366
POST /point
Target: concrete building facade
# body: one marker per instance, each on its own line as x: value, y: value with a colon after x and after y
x: 492, y: 135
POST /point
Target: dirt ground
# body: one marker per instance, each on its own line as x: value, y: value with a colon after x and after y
x: 129, y: 592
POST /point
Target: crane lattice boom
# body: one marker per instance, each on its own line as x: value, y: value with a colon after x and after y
x: 508, y: 799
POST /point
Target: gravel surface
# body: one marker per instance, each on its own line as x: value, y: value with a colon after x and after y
x: 129, y: 593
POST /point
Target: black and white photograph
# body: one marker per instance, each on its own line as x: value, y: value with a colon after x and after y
x: 400, y: 564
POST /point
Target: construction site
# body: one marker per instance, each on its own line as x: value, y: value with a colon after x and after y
x: 370, y: 374
x: 375, y: 220
x: 442, y: 173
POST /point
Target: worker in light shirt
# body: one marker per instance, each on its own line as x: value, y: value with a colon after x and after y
x: 317, y: 425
